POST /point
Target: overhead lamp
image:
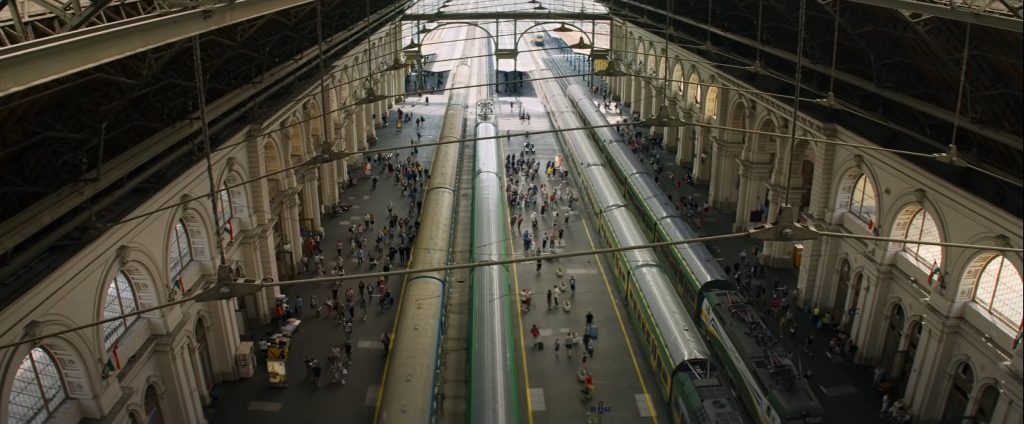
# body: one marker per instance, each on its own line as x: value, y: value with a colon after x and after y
x: 371, y: 96
x: 533, y: 2
x: 227, y: 287
x: 562, y: 28
x: 614, y: 69
x: 581, y: 45
x: 785, y: 228
x: 540, y: 7
x: 397, y: 65
x: 664, y: 119
x: 950, y: 157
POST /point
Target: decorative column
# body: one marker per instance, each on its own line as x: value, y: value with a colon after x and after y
x: 870, y: 332
x: 185, y: 387
x: 224, y: 338
x: 636, y: 94
x: 824, y: 170
x: 311, y: 198
x: 722, y: 194
x: 267, y: 254
x: 644, y: 102
x: 672, y: 133
x: 684, y: 149
x: 753, y: 177
x: 259, y: 199
x: 702, y: 162
x: 925, y: 373
x: 779, y: 254
x: 291, y: 225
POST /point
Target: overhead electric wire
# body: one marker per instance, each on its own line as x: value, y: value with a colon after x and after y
x: 414, y: 271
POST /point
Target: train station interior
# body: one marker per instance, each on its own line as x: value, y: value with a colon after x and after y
x: 338, y: 211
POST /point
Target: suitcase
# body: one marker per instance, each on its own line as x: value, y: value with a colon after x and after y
x: 540, y: 345
x: 592, y: 330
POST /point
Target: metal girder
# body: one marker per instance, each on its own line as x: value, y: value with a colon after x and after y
x: 36, y: 217
x: 919, y: 105
x: 490, y: 16
x: 1007, y: 16
x: 40, y: 61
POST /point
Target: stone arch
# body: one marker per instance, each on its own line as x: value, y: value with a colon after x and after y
x: 762, y: 149
x: 601, y: 36
x: 737, y: 119
x: 858, y: 178
x: 852, y: 307
x: 236, y: 197
x: 143, y: 287
x: 652, y: 60
x: 273, y: 164
x: 79, y: 378
x: 293, y: 137
x: 693, y: 89
x: 710, y: 103
x: 198, y: 230
x: 311, y: 114
x: 631, y: 47
x: 895, y: 323
x: 986, y: 399
x: 905, y: 222
x: 677, y: 77
x: 961, y: 387
x: 641, y: 55
x: 843, y: 287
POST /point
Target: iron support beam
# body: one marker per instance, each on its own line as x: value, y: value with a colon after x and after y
x: 1008, y: 139
x: 36, y: 217
x: 474, y: 16
x: 36, y: 62
x: 1007, y: 20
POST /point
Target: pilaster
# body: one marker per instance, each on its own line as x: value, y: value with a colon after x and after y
x: 723, y: 191
x: 750, y: 198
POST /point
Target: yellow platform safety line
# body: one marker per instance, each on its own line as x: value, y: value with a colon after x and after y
x: 391, y: 342
x: 519, y: 309
x: 622, y: 325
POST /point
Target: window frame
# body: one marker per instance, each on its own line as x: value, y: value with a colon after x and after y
x: 49, y: 406
x: 991, y: 303
x: 915, y: 252
x: 120, y: 326
x: 184, y: 257
x: 860, y: 213
x: 226, y: 212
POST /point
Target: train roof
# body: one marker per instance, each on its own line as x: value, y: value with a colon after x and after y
x: 681, y: 335
x: 757, y: 348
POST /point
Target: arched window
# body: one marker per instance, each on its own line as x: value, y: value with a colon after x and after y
x: 921, y: 226
x: 120, y: 300
x: 37, y: 391
x: 1000, y: 290
x: 180, y: 249
x: 154, y: 415
x: 224, y: 211
x: 863, y: 203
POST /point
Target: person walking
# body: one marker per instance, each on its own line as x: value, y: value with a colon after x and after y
x: 549, y: 299
x: 572, y: 278
x: 538, y: 264
x: 535, y: 332
x: 590, y: 318
x: 556, y: 347
x: 809, y: 344
x: 385, y: 340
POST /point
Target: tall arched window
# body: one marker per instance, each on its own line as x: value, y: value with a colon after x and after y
x: 224, y: 212
x: 1000, y: 290
x: 921, y: 226
x: 154, y: 414
x: 862, y: 200
x: 120, y: 300
x: 180, y: 250
x: 37, y: 391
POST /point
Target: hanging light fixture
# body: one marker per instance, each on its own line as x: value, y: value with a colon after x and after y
x: 665, y: 118
x: 581, y: 45
x: 614, y: 69
x: 563, y: 29
x: 371, y: 96
x: 540, y: 7
x: 397, y: 65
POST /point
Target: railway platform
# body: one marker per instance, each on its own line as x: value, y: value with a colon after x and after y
x: 253, y: 400
x: 624, y: 389
x: 845, y: 389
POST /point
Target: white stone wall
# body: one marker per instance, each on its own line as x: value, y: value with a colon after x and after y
x: 160, y: 348
x: 740, y: 167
